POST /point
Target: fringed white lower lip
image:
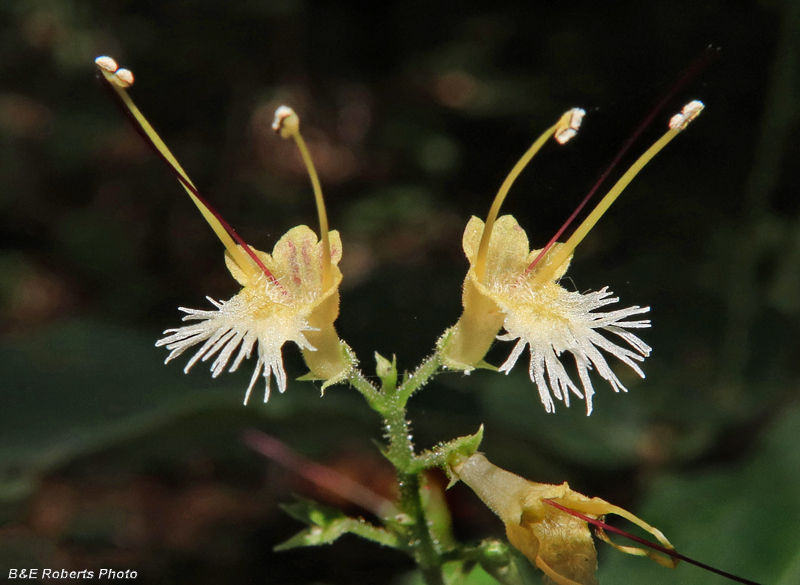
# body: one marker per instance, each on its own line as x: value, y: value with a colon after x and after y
x: 579, y: 336
x: 223, y: 331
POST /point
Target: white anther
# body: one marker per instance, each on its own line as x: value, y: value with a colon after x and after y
x: 286, y: 122
x: 106, y: 64
x: 570, y: 129
x: 122, y: 78
x: 689, y: 112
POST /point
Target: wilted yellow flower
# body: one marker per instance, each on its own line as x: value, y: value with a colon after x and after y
x: 509, y: 286
x: 290, y: 295
x: 557, y: 542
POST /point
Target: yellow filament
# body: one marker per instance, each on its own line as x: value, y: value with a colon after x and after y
x: 327, y: 276
x: 598, y: 507
x: 241, y: 258
x: 564, y: 252
x: 483, y: 248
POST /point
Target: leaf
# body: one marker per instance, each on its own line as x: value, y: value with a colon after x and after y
x: 310, y: 512
x: 328, y: 524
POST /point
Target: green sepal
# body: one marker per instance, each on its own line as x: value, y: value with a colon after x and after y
x: 330, y: 382
x: 387, y: 372
x: 328, y: 524
x: 445, y: 454
x: 349, y: 356
x: 484, y: 365
x: 450, y: 364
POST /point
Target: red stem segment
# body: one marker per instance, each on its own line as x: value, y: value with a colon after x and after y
x: 669, y: 552
x: 705, y: 59
x: 184, y: 182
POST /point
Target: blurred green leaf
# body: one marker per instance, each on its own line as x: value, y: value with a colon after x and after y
x: 744, y: 520
x: 611, y: 435
x: 312, y: 513
x: 80, y: 385
x: 70, y: 383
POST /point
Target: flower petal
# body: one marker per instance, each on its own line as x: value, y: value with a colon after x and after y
x: 551, y: 321
x: 242, y: 322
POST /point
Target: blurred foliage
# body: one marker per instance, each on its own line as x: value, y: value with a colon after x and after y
x: 414, y: 113
x: 757, y: 500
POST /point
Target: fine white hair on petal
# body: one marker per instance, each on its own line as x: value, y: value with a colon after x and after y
x: 232, y: 326
x: 256, y: 372
x: 568, y: 324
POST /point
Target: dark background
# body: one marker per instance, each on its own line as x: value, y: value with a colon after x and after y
x: 414, y: 112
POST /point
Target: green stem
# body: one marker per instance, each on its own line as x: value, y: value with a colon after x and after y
x: 401, y: 450
x: 367, y: 389
x: 419, y: 538
x: 419, y: 378
x: 390, y: 402
x: 401, y: 453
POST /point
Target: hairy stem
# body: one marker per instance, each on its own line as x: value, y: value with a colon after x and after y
x: 391, y: 404
x: 419, y: 378
x: 420, y: 542
x: 401, y: 453
x: 368, y: 390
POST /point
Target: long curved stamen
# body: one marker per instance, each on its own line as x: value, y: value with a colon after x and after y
x: 678, y: 123
x: 704, y: 60
x: 563, y: 130
x: 603, y: 527
x: 287, y: 124
x: 118, y: 80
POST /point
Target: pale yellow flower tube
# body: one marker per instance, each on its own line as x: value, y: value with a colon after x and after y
x: 557, y: 542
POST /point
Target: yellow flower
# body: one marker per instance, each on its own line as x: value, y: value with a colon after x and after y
x: 557, y: 542
x: 291, y: 295
x: 267, y: 313
x: 544, y: 316
x: 509, y: 286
